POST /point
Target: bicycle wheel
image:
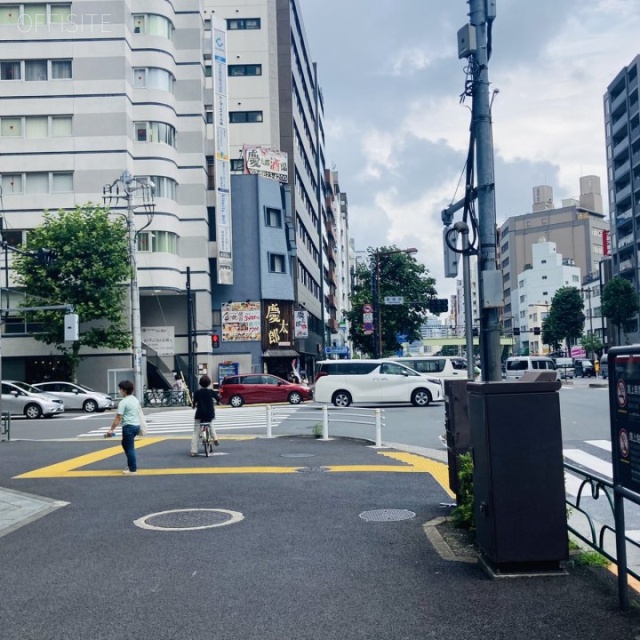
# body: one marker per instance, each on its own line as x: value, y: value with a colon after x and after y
x: 206, y: 439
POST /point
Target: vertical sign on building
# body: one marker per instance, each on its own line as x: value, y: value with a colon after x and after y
x: 221, y: 142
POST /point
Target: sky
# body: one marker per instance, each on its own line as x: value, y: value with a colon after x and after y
x: 397, y: 133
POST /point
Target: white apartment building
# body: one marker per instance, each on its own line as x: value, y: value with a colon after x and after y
x: 536, y: 287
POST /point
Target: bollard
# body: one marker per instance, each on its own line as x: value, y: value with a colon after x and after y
x: 325, y: 422
x: 378, y: 428
x: 269, y: 432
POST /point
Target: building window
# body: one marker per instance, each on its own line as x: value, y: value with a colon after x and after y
x: 10, y: 70
x: 208, y: 114
x: 36, y: 126
x: 35, y: 70
x: 61, y: 182
x: 153, y: 78
x: 153, y: 25
x: 276, y: 263
x: 11, y: 183
x: 244, y: 23
x: 155, y: 132
x: 35, y: 15
x: 158, y: 242
x: 163, y: 187
x: 61, y: 69
x: 273, y: 217
x: 208, y: 70
x: 544, y: 277
x: 522, y: 298
x: 245, y: 116
x: 15, y: 237
x: 244, y: 70
x: 211, y: 173
x: 211, y: 218
x: 575, y: 278
x: 521, y: 283
x: 37, y: 182
x: 545, y: 293
x: 543, y: 261
x: 11, y: 127
x: 237, y: 165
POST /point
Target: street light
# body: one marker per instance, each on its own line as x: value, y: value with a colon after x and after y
x: 377, y: 327
x: 110, y: 193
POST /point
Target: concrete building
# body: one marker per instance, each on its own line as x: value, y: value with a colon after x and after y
x: 576, y: 229
x: 622, y: 135
x: 537, y: 284
x: 219, y: 105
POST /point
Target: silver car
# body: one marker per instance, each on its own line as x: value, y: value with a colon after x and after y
x: 23, y: 398
x: 77, y: 396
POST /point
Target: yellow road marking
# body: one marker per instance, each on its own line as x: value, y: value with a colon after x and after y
x: 72, y: 468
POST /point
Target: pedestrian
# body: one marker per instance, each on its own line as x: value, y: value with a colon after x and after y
x: 178, y: 387
x: 129, y: 415
x: 204, y: 401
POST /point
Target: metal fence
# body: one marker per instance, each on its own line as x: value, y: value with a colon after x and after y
x: 164, y: 398
x: 600, y: 536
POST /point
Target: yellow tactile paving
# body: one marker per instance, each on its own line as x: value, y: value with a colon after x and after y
x: 73, y: 468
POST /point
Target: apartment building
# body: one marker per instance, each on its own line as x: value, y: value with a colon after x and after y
x: 622, y: 137
x: 192, y: 99
x: 578, y: 228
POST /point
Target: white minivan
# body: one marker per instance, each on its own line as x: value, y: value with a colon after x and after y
x: 373, y: 381
x: 444, y: 367
x: 517, y: 365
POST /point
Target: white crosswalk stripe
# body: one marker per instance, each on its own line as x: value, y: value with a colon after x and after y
x: 181, y: 421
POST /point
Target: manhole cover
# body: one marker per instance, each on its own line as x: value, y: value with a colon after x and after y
x: 297, y: 455
x: 387, y: 515
x: 188, y: 519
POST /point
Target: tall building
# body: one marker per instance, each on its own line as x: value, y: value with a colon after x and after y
x: 622, y: 136
x: 576, y: 230
x: 218, y: 104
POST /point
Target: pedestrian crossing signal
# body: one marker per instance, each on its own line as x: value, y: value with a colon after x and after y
x: 215, y: 341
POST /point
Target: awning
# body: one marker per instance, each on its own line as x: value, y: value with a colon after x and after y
x: 280, y: 353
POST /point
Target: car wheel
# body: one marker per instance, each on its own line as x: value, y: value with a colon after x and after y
x: 341, y: 399
x: 295, y: 397
x: 90, y: 406
x: 421, y: 398
x: 33, y: 411
x: 236, y: 401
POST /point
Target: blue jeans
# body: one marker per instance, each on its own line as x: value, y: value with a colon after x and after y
x: 129, y: 432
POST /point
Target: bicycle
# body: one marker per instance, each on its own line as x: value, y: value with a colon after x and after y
x: 207, y: 437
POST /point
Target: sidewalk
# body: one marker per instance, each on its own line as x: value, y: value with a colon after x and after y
x: 328, y: 540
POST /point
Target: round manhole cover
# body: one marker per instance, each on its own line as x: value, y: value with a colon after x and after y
x: 297, y: 455
x: 188, y: 519
x: 387, y: 515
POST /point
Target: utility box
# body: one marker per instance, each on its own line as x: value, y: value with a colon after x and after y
x: 457, y: 427
x: 518, y: 478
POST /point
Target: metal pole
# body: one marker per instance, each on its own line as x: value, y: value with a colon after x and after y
x: 378, y: 325
x: 488, y: 275
x: 378, y: 428
x: 463, y: 227
x: 269, y: 422
x: 621, y: 549
x: 325, y: 422
x: 136, y: 332
x: 190, y: 363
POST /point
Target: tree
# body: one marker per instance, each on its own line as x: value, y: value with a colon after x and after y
x: 549, y: 334
x: 619, y: 303
x: 566, y: 318
x: 90, y: 266
x: 592, y: 344
x: 400, y: 275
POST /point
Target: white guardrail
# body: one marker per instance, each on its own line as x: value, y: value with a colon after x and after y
x: 348, y: 415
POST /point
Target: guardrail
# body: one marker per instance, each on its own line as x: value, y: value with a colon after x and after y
x: 373, y: 418
x: 164, y: 398
x: 597, y: 533
x: 6, y: 426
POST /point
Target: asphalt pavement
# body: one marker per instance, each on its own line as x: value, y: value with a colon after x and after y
x: 283, y: 538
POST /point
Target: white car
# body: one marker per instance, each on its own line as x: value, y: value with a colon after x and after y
x: 373, y: 381
x: 77, y: 396
x: 23, y: 398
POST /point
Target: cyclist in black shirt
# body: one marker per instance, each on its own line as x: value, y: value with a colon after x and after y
x: 204, y: 402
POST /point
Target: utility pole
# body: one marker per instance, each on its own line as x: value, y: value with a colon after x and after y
x: 111, y: 192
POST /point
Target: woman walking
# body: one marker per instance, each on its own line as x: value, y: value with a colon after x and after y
x: 129, y: 415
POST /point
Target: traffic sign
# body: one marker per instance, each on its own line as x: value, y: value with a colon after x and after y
x: 394, y: 300
x: 367, y: 308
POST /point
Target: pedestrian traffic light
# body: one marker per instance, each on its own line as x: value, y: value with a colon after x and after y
x: 215, y: 341
x: 536, y: 331
x: 516, y: 331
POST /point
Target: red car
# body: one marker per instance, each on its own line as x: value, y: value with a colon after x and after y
x: 250, y: 388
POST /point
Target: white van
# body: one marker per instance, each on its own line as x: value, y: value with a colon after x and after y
x: 444, y: 367
x: 517, y: 365
x: 373, y: 381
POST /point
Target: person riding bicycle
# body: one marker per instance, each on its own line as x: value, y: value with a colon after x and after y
x: 204, y: 402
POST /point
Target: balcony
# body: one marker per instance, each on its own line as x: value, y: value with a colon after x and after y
x: 624, y: 241
x: 622, y: 170
x: 618, y: 100
x: 623, y: 193
x: 621, y: 146
x: 619, y: 123
x: 625, y: 265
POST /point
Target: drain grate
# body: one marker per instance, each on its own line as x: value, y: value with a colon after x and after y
x: 297, y: 455
x: 188, y: 519
x: 387, y: 515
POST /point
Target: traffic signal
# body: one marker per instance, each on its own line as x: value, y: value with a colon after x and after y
x: 536, y: 331
x: 476, y: 332
x: 215, y: 341
x: 516, y: 331
x: 438, y: 305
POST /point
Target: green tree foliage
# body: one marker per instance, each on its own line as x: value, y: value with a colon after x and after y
x: 400, y: 275
x: 566, y: 318
x: 88, y: 272
x: 592, y: 344
x: 619, y: 302
x: 549, y: 335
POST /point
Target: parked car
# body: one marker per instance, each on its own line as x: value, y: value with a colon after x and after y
x: 374, y: 381
x: 23, y: 398
x: 250, y: 388
x: 77, y: 396
x: 584, y: 369
x: 604, y: 367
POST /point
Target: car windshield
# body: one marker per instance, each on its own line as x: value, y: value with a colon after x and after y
x: 82, y: 386
x: 26, y: 387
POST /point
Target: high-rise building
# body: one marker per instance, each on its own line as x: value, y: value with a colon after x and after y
x: 622, y: 136
x: 218, y: 104
x: 576, y: 230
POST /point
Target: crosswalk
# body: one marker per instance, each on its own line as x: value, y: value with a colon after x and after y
x: 245, y: 419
